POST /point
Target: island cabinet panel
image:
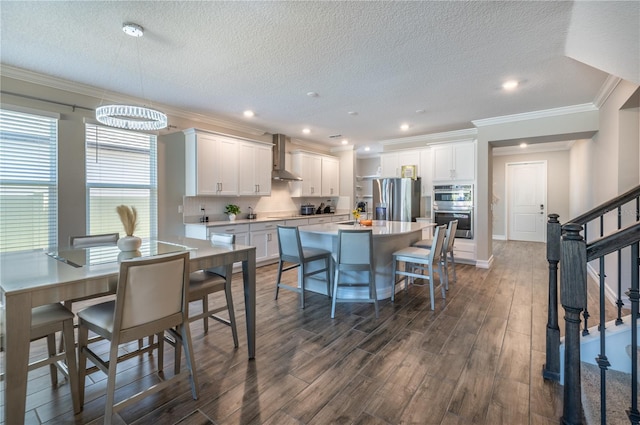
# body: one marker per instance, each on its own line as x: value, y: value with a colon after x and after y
x: 218, y: 165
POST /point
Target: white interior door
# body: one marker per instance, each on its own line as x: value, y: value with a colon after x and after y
x: 527, y: 205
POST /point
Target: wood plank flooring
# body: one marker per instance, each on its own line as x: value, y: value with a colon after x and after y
x: 476, y: 359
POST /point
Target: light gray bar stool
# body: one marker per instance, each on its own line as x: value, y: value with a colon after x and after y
x: 418, y: 260
x: 291, y: 251
x: 355, y: 254
x: 447, y: 248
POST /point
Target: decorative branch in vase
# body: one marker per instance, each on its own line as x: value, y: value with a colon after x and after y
x: 129, y: 218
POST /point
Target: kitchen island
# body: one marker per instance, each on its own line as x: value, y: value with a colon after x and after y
x: 388, y: 237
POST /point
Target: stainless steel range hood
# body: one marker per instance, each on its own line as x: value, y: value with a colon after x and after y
x: 279, y: 173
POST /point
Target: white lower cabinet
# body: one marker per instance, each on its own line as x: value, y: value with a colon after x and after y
x: 464, y: 250
x: 319, y: 220
x: 340, y: 217
x: 240, y: 230
x: 264, y: 236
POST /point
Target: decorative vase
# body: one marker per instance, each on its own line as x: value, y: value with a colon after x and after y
x: 129, y: 243
x: 127, y: 255
x: 232, y: 217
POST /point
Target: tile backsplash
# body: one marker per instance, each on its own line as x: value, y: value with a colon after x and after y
x: 280, y: 203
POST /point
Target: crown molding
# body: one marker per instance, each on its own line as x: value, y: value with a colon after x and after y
x: 91, y: 91
x: 606, y: 89
x: 546, y: 113
x: 533, y: 148
x: 433, y: 137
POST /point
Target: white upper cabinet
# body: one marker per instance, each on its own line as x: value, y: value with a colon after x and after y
x: 426, y: 172
x: 391, y: 163
x: 320, y: 174
x: 254, y: 167
x: 454, y: 161
x: 225, y: 166
x: 330, y: 176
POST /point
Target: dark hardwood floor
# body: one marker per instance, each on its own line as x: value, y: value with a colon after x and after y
x: 476, y: 359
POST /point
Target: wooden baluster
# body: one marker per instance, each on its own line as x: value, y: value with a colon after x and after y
x: 573, y: 284
x: 551, y: 369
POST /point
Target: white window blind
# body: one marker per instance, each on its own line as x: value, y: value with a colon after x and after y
x: 120, y: 170
x: 28, y: 181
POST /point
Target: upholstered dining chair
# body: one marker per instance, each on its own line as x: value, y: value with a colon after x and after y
x: 203, y: 283
x: 355, y: 254
x: 447, y: 250
x: 46, y: 321
x: 417, y: 260
x: 291, y: 251
x: 151, y: 298
x: 88, y: 241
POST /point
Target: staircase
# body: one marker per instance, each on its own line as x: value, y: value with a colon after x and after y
x: 612, y: 256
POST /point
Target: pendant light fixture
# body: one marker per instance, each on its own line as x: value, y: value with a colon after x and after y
x: 132, y: 117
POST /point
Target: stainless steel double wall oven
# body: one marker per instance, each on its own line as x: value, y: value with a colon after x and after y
x: 454, y: 202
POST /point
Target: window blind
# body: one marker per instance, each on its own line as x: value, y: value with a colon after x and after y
x: 120, y: 169
x: 28, y: 181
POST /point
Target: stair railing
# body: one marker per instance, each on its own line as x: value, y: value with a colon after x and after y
x: 566, y: 246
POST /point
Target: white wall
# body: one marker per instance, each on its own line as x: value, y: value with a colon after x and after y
x: 558, y: 181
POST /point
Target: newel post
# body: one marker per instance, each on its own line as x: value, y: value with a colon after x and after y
x: 573, y: 285
x: 551, y: 369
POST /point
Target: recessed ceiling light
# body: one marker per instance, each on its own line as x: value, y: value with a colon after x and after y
x: 306, y: 131
x: 312, y: 94
x: 367, y: 148
x: 404, y: 127
x: 352, y: 113
x: 134, y: 30
x: 345, y: 141
x: 249, y: 113
x: 510, y: 85
x: 523, y: 145
x: 420, y: 111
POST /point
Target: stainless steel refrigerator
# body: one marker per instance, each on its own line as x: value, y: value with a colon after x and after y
x: 396, y: 199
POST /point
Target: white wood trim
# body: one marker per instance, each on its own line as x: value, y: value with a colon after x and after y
x: 554, y: 112
x: 482, y: 264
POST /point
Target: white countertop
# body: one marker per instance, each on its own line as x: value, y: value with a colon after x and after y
x: 267, y: 218
x: 379, y: 227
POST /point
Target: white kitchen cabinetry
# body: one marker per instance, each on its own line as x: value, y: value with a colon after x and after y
x: 391, y: 163
x: 211, y: 164
x: 340, y: 217
x: 426, y: 172
x: 454, y: 161
x: 330, y: 176
x: 264, y: 236
x: 317, y: 171
x: 240, y: 230
x: 254, y: 169
x: 320, y: 220
x: 201, y: 231
x: 296, y: 222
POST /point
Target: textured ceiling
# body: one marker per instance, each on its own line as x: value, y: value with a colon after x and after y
x: 383, y: 60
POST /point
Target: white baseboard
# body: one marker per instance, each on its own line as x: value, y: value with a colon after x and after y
x: 482, y: 264
x: 608, y: 292
x: 499, y: 237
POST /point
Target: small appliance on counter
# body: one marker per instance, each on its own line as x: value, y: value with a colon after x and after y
x: 307, y: 209
x: 251, y: 215
x: 320, y: 208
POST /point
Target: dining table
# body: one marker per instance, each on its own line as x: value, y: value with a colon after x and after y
x: 36, y: 277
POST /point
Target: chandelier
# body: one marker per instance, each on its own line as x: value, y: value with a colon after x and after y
x: 131, y: 117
